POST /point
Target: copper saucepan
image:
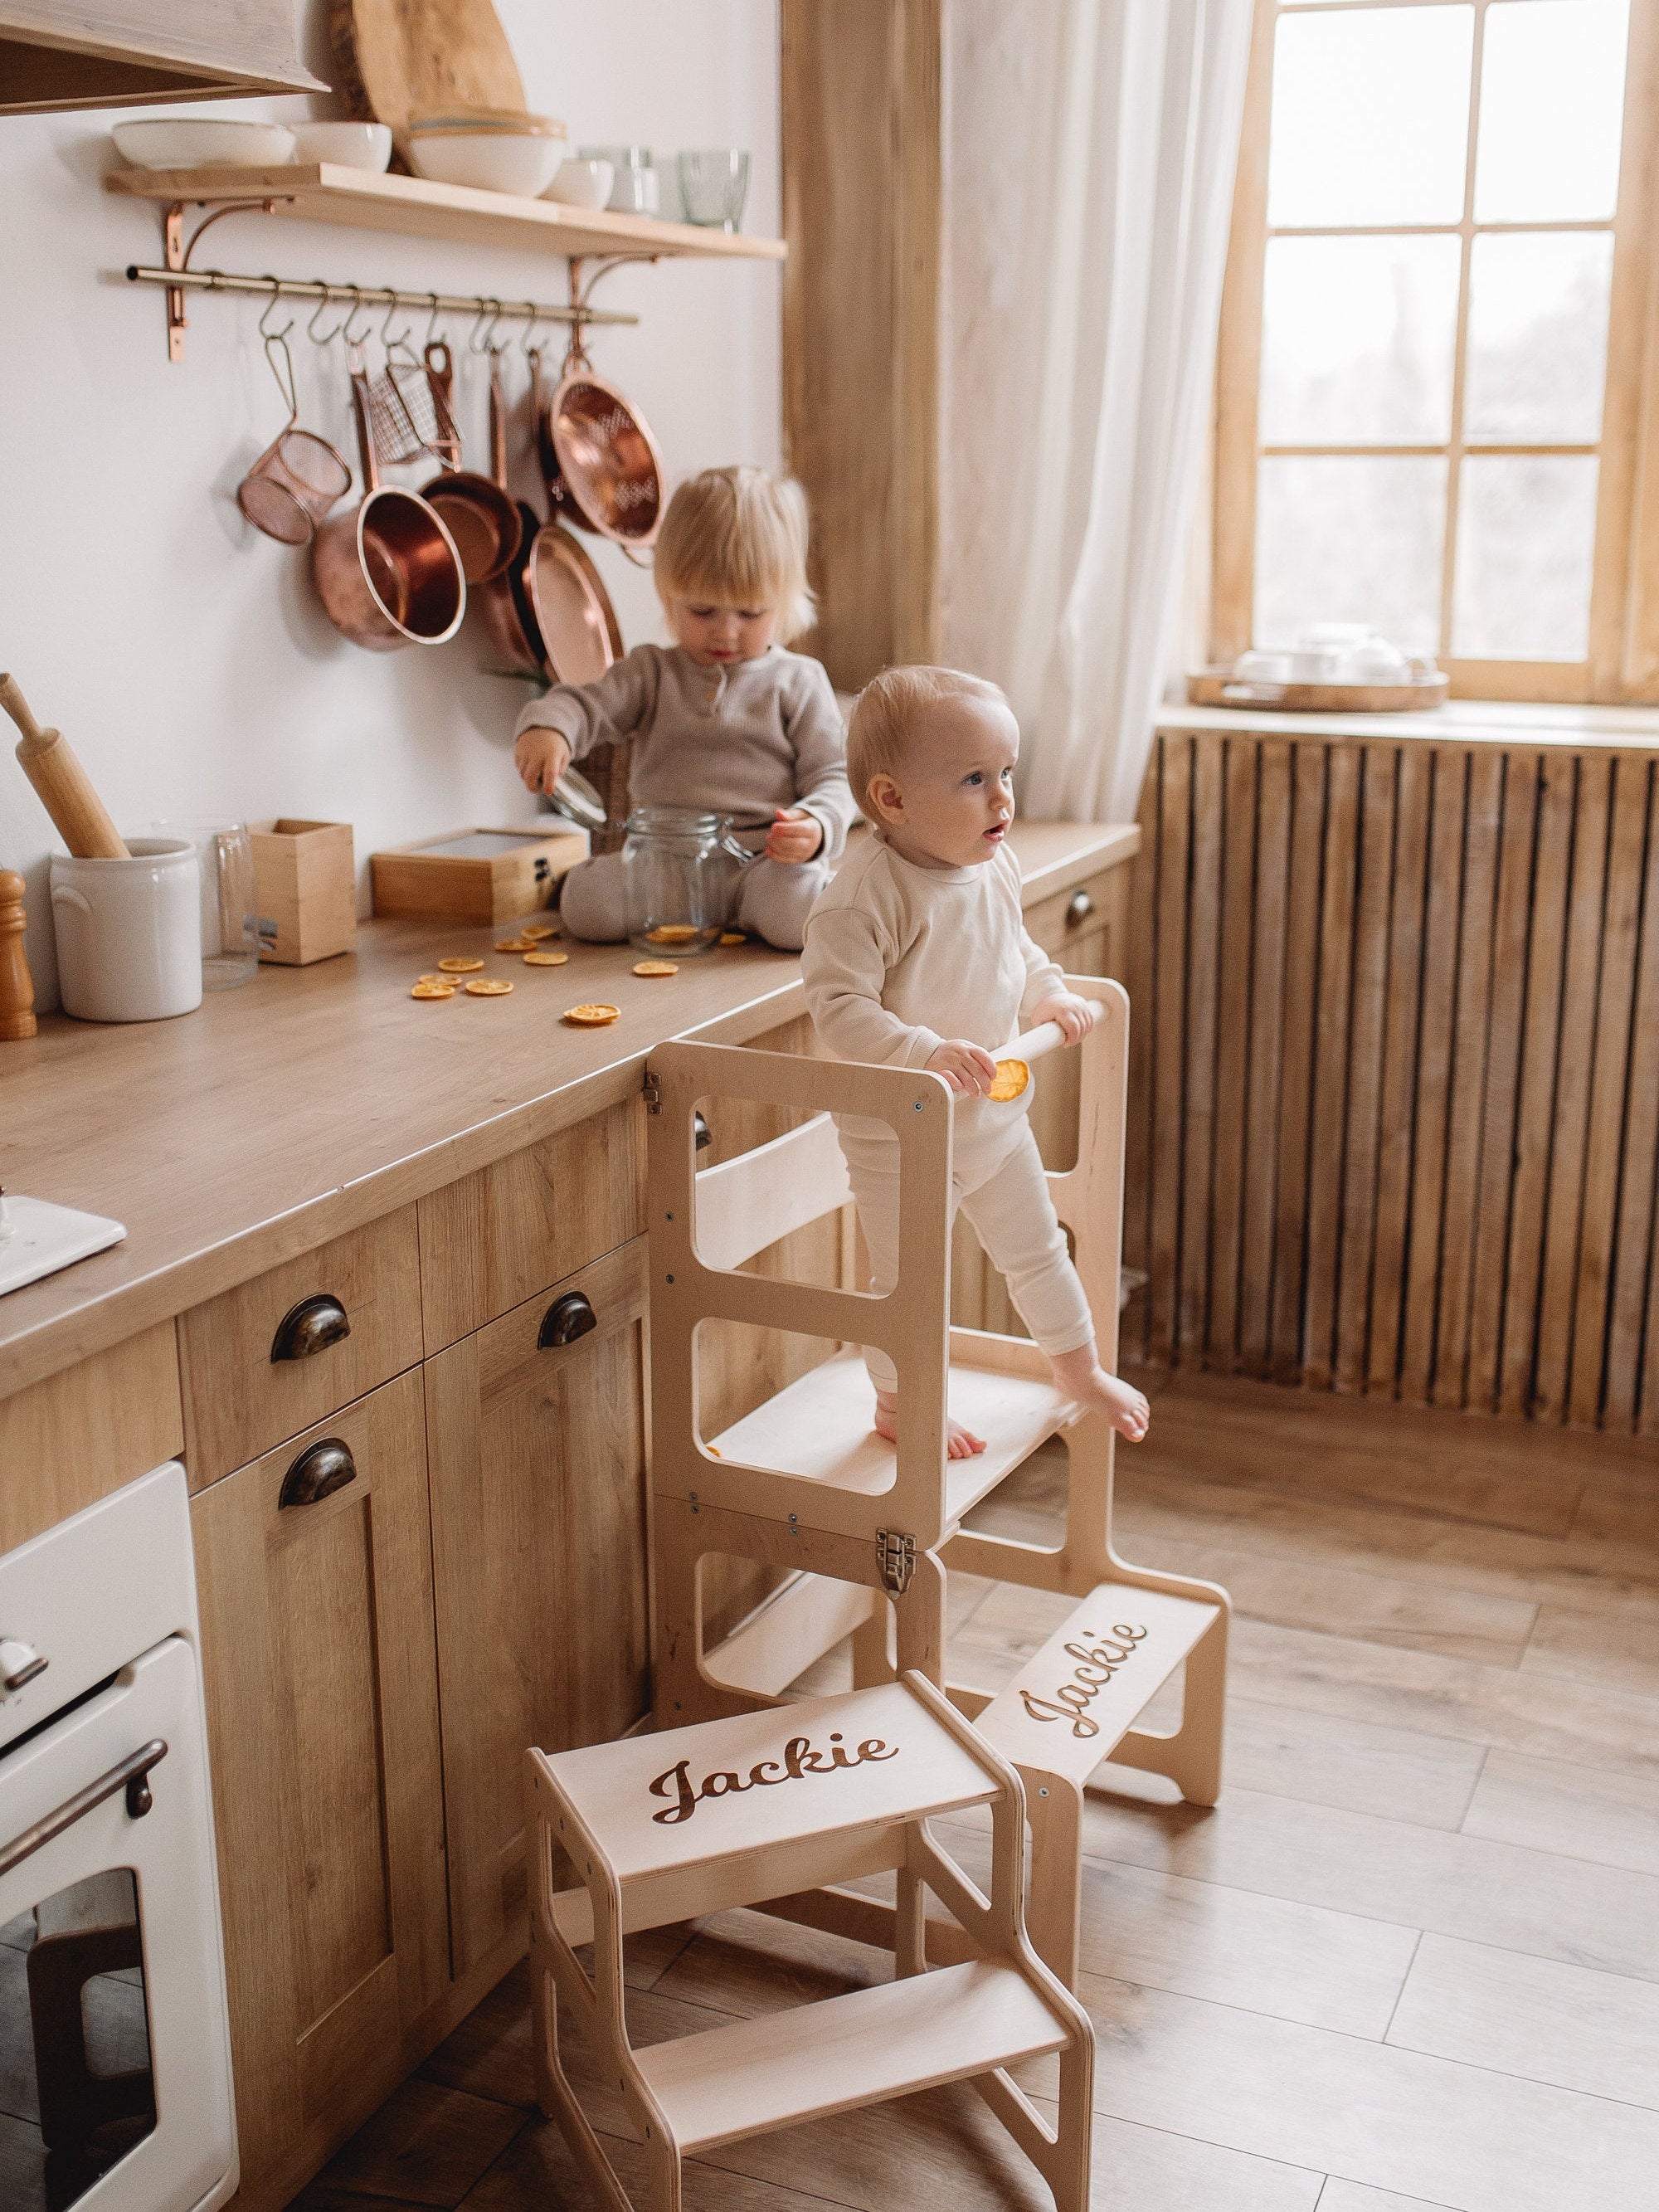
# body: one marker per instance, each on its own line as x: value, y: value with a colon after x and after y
x: 482, y: 520
x: 503, y: 602
x: 387, y: 572
x: 609, y: 473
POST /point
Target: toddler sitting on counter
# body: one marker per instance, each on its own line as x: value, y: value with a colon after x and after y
x: 726, y: 720
x: 917, y: 956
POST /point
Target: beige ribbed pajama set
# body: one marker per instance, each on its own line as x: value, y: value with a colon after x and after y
x: 898, y: 959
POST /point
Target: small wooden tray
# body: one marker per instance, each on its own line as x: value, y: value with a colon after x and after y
x: 482, y: 876
x: 1216, y: 687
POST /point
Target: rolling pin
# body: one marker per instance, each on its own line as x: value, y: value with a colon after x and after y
x: 64, y: 787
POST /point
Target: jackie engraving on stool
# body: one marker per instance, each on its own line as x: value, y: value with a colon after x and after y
x: 799, y: 1758
x: 1096, y: 1664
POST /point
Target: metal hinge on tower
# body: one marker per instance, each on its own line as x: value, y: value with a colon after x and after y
x: 653, y: 1091
x: 895, y: 1556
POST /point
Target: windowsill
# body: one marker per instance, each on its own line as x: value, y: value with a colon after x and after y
x: 1460, y: 721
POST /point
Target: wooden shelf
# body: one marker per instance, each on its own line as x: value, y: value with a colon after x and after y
x: 325, y: 192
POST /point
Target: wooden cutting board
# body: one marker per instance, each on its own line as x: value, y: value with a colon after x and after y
x: 395, y: 59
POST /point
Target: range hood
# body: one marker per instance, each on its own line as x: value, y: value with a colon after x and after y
x: 58, y: 55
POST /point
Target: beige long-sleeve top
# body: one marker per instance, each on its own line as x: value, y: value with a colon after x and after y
x: 899, y: 957
x: 743, y: 740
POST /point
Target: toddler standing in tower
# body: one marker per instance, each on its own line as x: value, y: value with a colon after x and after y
x: 917, y: 956
x: 724, y: 720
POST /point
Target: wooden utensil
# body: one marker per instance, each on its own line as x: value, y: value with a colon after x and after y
x: 396, y: 59
x: 64, y: 787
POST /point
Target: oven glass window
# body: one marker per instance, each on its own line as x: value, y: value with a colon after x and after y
x: 77, y: 2090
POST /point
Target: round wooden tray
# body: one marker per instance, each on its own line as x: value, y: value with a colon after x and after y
x: 1216, y: 687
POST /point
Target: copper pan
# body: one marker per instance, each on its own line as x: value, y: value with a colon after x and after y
x: 574, y: 619
x: 610, y: 475
x: 482, y: 520
x: 503, y: 603
x: 387, y: 572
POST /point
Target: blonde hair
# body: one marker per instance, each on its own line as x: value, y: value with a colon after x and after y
x: 738, y: 536
x: 886, y: 712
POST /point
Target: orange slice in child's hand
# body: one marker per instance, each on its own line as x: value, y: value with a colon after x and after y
x: 489, y: 986
x: 1012, y: 1076
x: 428, y: 987
x: 591, y: 1017
x: 656, y: 967
x: 540, y: 959
x: 460, y: 963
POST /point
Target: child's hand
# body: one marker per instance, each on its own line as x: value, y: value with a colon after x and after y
x: 540, y: 756
x: 966, y: 1067
x: 794, y: 835
x: 1075, y: 1015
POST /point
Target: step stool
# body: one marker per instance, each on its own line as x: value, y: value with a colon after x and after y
x: 860, y: 1534
x: 636, y: 1834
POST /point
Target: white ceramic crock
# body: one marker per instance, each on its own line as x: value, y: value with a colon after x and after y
x: 129, y: 932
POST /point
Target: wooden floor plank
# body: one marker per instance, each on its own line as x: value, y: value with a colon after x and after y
x: 1353, y: 2196
x: 538, y: 2175
x: 1354, y: 1765
x: 1424, y: 1878
x: 426, y: 2144
x: 1580, y: 1812
x: 1607, y: 1647
x: 1425, y: 2128
x: 1534, y: 2018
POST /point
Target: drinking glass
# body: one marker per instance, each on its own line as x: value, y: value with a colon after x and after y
x: 230, y: 920
x: 713, y: 186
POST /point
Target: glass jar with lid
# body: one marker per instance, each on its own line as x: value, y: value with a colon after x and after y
x: 679, y: 871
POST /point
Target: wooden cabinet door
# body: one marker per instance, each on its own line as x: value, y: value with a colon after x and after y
x: 538, y: 1504
x: 320, y: 1674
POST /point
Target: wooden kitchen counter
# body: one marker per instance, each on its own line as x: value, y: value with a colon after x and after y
x: 314, y: 1100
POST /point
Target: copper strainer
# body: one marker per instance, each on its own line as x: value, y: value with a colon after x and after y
x: 610, y: 475
x: 299, y: 476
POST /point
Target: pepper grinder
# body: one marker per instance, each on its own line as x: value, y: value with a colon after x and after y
x: 16, y: 986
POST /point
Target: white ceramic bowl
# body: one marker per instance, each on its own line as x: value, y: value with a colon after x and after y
x: 351, y: 145
x: 200, y: 142
x: 581, y: 184
x: 490, y: 160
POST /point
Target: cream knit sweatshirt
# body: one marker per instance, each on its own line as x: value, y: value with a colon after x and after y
x: 898, y: 958
x: 741, y: 740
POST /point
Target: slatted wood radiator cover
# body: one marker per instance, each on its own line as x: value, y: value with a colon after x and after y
x: 1395, y: 1070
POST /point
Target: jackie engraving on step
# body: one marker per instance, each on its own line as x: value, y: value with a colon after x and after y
x: 799, y: 1758
x: 1096, y: 1664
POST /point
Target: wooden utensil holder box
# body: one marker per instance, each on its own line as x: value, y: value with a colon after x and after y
x: 305, y: 886
x: 479, y: 875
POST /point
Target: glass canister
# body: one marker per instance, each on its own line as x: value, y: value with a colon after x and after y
x: 679, y: 870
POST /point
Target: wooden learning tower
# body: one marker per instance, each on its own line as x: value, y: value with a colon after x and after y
x: 860, y: 1538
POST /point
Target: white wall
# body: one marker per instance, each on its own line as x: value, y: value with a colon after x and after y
x: 185, y: 655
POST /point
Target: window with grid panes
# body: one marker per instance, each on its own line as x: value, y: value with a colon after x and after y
x: 1431, y: 378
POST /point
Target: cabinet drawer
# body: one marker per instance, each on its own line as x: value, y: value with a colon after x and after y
x: 245, y: 1392
x: 69, y: 1441
x: 493, y: 1239
x: 1083, y: 928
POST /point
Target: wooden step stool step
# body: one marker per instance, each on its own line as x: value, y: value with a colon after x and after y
x: 738, y: 1811
x: 1075, y: 1704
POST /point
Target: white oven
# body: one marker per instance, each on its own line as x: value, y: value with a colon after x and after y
x: 115, y: 2090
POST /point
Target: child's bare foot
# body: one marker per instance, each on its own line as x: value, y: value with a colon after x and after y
x: 1081, y: 1376
x: 959, y: 1442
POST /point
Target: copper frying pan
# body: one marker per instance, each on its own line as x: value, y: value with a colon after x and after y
x: 508, y: 617
x: 481, y: 517
x: 577, y: 625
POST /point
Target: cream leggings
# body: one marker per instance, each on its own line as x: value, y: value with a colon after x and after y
x: 999, y: 1185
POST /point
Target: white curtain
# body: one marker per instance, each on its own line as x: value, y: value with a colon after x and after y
x: 1090, y: 151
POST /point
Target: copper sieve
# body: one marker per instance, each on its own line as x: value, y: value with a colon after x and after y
x: 299, y: 476
x: 610, y: 470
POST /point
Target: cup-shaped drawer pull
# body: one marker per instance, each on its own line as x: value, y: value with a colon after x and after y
x: 565, y: 1320
x: 321, y: 1470
x: 310, y: 1327
x: 1078, y: 908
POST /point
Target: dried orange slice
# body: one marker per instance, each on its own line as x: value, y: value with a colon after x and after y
x: 428, y: 989
x: 489, y: 986
x: 591, y: 1017
x: 1012, y: 1076
x: 732, y: 937
x: 672, y: 932
x: 540, y: 959
x: 448, y: 981
x: 514, y: 943
x: 656, y: 967
x: 460, y: 963
x: 539, y: 929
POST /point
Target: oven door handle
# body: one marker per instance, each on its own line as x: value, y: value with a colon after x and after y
x: 132, y: 1775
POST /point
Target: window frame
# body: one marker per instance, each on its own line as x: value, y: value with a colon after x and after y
x: 1623, y: 663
